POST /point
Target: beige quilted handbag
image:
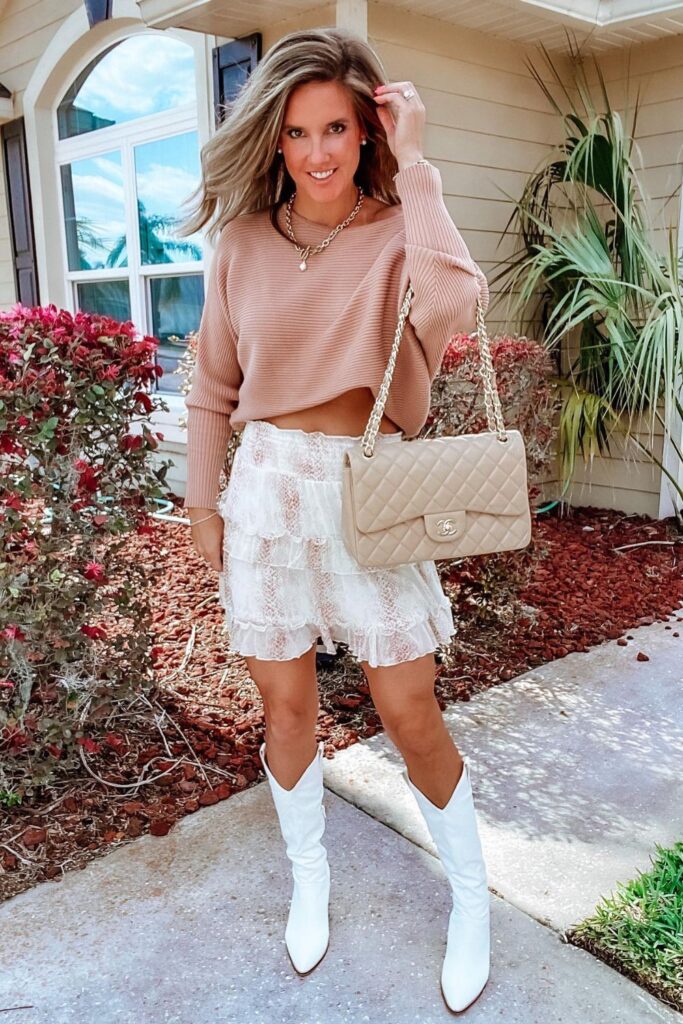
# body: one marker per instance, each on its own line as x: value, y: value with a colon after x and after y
x: 441, y: 497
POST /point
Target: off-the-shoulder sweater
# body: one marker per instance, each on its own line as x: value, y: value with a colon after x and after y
x: 274, y: 339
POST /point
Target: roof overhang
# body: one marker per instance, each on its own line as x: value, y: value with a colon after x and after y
x: 596, y: 25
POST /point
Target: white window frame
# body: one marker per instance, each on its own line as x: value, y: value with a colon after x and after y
x: 124, y: 138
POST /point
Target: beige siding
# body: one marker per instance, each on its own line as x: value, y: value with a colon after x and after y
x: 656, y: 70
x: 26, y: 27
x: 488, y: 124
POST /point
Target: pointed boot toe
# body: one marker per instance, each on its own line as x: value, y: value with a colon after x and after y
x: 307, y: 934
x: 465, y: 969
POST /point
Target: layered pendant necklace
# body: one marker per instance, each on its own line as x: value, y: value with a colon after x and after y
x: 306, y: 251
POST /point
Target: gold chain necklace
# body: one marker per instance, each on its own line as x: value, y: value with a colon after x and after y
x: 306, y: 251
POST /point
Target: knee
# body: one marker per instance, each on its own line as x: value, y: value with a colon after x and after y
x: 413, y: 728
x: 287, y: 719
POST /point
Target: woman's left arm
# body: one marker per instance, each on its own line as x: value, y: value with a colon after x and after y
x: 445, y: 279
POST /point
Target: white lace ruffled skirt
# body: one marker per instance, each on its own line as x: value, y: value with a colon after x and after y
x: 288, y: 579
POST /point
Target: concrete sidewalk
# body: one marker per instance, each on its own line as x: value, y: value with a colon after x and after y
x: 574, y: 778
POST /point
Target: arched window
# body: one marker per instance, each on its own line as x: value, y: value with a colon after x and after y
x: 128, y: 156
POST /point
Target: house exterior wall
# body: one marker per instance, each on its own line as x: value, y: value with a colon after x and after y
x: 488, y: 127
x: 25, y: 30
x: 657, y: 70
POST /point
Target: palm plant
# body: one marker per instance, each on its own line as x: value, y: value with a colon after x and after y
x: 600, y: 281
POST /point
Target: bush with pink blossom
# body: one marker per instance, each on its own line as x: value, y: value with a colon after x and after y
x: 76, y: 477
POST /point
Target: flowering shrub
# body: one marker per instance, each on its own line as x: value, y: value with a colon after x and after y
x: 75, y: 478
x: 483, y: 589
x: 528, y: 397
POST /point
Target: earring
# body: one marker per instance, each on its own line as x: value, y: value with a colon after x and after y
x: 279, y: 150
x: 363, y: 141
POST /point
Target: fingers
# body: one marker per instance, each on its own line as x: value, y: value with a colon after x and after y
x: 207, y: 541
x: 395, y: 90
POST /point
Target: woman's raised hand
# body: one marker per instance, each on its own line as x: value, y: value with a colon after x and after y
x: 403, y: 121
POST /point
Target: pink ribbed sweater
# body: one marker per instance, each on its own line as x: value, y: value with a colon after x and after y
x: 274, y: 339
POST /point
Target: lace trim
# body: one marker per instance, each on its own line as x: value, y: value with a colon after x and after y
x: 372, y: 645
x: 285, y: 551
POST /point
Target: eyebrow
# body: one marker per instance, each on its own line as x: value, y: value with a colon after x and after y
x: 337, y: 120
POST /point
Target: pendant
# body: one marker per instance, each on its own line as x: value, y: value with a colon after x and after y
x: 302, y: 265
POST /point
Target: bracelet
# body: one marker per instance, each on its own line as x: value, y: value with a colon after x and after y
x: 197, y: 521
x: 422, y: 160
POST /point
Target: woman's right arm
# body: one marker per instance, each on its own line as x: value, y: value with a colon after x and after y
x: 214, y: 393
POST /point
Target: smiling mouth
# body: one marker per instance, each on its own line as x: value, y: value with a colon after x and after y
x: 324, y: 177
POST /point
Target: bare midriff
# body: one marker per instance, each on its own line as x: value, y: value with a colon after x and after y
x: 348, y: 413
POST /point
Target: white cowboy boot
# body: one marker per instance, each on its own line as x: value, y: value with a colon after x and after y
x: 453, y: 828
x: 302, y: 822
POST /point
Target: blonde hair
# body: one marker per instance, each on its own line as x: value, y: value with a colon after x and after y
x: 241, y: 171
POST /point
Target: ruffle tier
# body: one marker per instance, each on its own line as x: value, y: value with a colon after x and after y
x: 288, y: 578
x: 376, y: 646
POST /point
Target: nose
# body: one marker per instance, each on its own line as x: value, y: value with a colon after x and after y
x: 318, y: 153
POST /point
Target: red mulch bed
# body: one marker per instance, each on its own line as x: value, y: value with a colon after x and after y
x: 203, y: 745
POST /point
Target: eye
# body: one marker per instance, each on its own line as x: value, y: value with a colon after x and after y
x: 337, y: 124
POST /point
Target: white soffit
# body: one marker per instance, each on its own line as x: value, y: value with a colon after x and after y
x: 599, y: 26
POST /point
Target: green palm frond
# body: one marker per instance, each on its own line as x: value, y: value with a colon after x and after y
x: 587, y: 262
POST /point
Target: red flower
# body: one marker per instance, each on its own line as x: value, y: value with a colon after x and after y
x: 8, y: 446
x: 80, y: 464
x: 23, y: 421
x: 130, y: 442
x: 95, y: 571
x: 13, y: 632
x: 144, y: 399
x: 6, y: 684
x: 14, y: 502
x: 88, y: 480
x: 94, y: 632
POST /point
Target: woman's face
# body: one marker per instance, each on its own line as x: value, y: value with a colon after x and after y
x: 321, y: 132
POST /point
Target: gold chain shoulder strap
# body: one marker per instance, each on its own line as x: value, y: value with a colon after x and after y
x: 494, y: 414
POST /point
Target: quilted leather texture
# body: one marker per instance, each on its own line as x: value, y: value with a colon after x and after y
x: 436, y: 498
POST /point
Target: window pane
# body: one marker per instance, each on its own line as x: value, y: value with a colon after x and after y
x: 166, y: 171
x: 176, y: 310
x: 110, y: 298
x: 139, y: 76
x: 94, y: 213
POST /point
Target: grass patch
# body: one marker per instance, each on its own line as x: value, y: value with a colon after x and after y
x: 639, y: 930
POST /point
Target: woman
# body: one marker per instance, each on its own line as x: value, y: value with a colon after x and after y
x: 326, y: 209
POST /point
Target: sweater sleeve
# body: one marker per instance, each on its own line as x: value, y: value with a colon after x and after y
x: 214, y: 390
x: 445, y: 278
